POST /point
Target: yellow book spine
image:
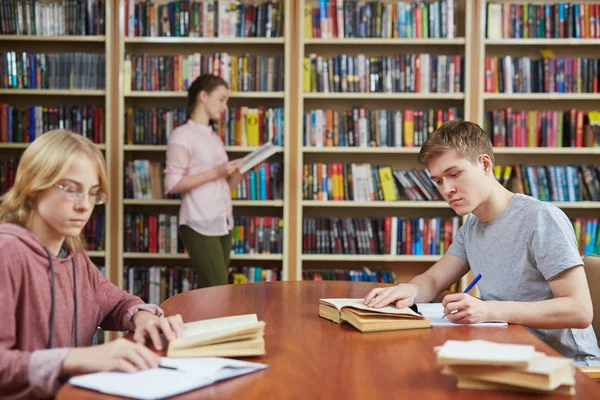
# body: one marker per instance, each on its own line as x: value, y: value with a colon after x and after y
x: 306, y: 74
x: 307, y: 21
x: 387, y: 184
x: 252, y: 127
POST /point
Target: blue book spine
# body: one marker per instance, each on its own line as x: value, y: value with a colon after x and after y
x: 252, y: 176
x: 32, y: 123
x: 262, y: 173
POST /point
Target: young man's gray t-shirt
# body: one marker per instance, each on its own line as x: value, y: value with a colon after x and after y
x: 518, y: 254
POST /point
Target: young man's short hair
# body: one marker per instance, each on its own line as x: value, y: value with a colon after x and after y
x: 467, y: 138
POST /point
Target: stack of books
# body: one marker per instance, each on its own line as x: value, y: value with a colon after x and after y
x: 483, y: 365
x: 234, y: 336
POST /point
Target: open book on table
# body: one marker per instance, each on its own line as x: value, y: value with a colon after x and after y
x: 367, y: 319
x: 259, y: 155
x: 235, y: 336
x: 175, y: 376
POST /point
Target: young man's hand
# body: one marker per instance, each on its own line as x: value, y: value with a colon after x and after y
x: 149, y: 325
x: 462, y: 308
x: 403, y: 295
x: 119, y: 355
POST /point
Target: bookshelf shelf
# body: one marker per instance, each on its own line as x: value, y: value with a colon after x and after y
x: 96, y: 254
x: 176, y: 202
x: 52, y: 92
x: 162, y: 147
x: 542, y: 42
x: 201, y: 40
x: 232, y: 95
x: 386, y: 42
x: 365, y: 258
x: 415, y: 150
x: 65, y: 38
x: 542, y: 96
x: 384, y: 96
x: 547, y: 150
x: 375, y: 204
x: 184, y: 256
x: 361, y: 150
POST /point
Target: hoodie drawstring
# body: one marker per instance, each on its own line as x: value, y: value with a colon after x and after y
x: 53, y: 300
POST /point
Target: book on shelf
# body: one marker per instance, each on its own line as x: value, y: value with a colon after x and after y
x: 206, y: 19
x: 563, y: 20
x: 363, y: 127
x: 257, y: 156
x: 257, y: 235
x: 53, y: 18
x: 155, y: 284
x: 354, y: 275
x: 253, y: 274
x: 485, y: 365
x: 401, y: 73
x: 234, y: 336
x: 25, y: 124
x: 367, y: 319
x: 564, y: 183
x: 8, y: 172
x: 406, y: 19
x: 93, y: 232
x: 520, y: 128
x: 378, y: 236
x: 28, y: 70
x: 251, y: 126
x: 587, y: 233
x: 524, y: 74
x: 366, y: 182
x: 243, y: 73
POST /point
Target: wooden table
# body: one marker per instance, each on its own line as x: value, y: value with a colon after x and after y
x: 313, y: 358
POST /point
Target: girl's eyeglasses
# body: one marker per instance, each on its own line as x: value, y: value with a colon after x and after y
x: 75, y: 195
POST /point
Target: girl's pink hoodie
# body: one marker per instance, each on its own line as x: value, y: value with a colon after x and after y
x: 30, y: 361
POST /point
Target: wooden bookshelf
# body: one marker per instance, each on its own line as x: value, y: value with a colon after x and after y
x: 177, y: 99
x: 21, y: 98
x: 395, y: 156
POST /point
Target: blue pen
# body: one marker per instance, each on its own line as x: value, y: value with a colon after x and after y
x: 471, y: 285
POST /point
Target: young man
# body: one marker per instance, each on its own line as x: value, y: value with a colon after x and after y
x: 525, y: 249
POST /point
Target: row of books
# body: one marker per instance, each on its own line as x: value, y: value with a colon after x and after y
x: 553, y: 182
x: 257, y: 235
x: 365, y: 182
x: 570, y: 128
x: 152, y: 233
x: 251, y: 126
x: 28, y: 70
x: 24, y: 125
x: 93, y: 232
x: 587, y: 234
x: 547, y: 21
x: 364, y: 127
x: 156, y: 284
x: 8, y: 171
x: 53, y: 17
x: 414, y: 73
x: 253, y: 274
x: 209, y: 18
x: 243, y: 73
x: 263, y: 182
x: 370, y: 236
x: 238, y: 126
x: 510, y: 74
x: 355, y: 275
x: 403, y: 19
x: 144, y: 180
x: 152, y: 125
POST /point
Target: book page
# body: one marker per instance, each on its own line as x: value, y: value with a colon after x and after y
x: 218, y: 324
x: 358, y: 303
x: 484, y: 351
x: 257, y: 156
x: 435, y: 311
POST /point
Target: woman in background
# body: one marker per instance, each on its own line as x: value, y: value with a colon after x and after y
x: 52, y: 296
x: 199, y: 169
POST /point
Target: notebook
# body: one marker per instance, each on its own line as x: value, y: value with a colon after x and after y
x: 482, y: 352
x: 367, y: 319
x: 435, y: 311
x: 257, y: 156
x: 159, y: 383
x: 234, y: 336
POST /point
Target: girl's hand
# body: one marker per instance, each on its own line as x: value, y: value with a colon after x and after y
x: 149, y: 325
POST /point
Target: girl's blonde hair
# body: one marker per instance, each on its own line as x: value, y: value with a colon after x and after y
x: 43, y: 164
